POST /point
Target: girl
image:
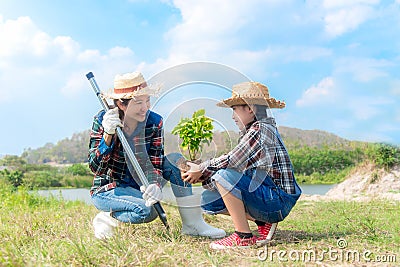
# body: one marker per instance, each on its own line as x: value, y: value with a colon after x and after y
x: 254, y: 181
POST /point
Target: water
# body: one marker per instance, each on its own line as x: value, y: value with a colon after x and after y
x: 83, y: 195
x: 316, y: 189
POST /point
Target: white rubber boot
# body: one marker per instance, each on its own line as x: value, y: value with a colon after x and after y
x: 192, y: 218
x: 104, y: 225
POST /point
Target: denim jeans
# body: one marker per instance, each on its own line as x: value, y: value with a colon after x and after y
x: 263, y: 200
x: 127, y: 204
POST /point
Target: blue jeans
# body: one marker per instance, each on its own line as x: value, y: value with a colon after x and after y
x: 127, y: 203
x: 263, y: 200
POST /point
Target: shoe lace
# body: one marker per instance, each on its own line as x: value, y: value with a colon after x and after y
x: 263, y: 230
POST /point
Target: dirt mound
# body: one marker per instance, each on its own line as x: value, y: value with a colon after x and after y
x: 364, y: 183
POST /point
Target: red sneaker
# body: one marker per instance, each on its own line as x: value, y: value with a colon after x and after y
x: 233, y: 241
x: 266, y: 232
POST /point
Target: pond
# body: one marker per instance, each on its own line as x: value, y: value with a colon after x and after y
x: 82, y: 194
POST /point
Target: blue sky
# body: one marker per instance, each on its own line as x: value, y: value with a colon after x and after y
x: 336, y: 63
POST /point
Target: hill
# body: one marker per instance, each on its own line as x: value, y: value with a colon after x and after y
x: 68, y: 150
x: 75, y: 149
x: 311, y: 138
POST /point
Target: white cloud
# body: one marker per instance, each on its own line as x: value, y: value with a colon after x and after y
x: 40, y: 43
x: 120, y: 52
x: 398, y: 115
x: 45, y: 63
x: 17, y: 33
x: 299, y: 53
x: 346, y: 20
x: 26, y: 39
x: 208, y: 29
x: 363, y: 69
x: 319, y: 94
x: 75, y: 83
x: 346, y: 3
x: 222, y: 31
x: 395, y: 87
x: 365, y: 108
x: 342, y: 16
x: 68, y: 47
x: 89, y: 55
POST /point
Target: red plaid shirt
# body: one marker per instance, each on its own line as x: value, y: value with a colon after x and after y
x: 260, y: 147
x: 108, y: 162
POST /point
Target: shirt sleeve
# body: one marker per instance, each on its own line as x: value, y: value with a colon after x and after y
x: 237, y: 158
x: 99, y: 152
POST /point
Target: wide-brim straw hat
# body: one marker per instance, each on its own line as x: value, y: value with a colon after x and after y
x: 129, y: 85
x: 251, y: 93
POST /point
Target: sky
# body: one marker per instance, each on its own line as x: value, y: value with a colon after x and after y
x: 336, y: 63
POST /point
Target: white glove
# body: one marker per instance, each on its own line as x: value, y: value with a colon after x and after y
x: 111, y: 121
x: 152, y: 194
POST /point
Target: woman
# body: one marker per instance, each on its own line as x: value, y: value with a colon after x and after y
x: 254, y: 181
x: 116, y: 190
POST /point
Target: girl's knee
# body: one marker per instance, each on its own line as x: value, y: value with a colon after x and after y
x: 229, y: 176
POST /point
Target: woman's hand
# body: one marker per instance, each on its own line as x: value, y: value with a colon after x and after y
x: 111, y: 121
x: 152, y: 194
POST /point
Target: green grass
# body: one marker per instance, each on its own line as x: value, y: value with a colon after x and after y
x: 36, y: 231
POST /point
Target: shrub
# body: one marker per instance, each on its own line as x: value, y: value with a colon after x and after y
x: 41, y: 179
x: 79, y: 169
x: 307, y: 160
x: 384, y: 155
x: 15, y: 178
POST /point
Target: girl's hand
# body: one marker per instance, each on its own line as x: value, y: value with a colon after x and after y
x: 191, y: 177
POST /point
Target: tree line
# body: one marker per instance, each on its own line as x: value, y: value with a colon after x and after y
x: 314, y: 162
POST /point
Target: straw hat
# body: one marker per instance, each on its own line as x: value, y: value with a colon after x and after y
x: 248, y: 93
x: 129, y: 85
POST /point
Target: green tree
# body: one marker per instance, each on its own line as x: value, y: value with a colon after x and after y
x: 78, y: 169
x: 12, y: 160
x: 194, y: 133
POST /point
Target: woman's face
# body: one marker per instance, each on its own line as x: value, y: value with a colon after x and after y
x: 242, y: 115
x: 137, y: 108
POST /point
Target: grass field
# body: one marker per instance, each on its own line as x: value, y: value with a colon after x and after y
x: 35, y: 231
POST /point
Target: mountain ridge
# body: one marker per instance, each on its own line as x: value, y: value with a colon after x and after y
x: 75, y: 149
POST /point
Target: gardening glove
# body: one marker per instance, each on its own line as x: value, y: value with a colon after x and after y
x: 111, y: 121
x: 152, y: 194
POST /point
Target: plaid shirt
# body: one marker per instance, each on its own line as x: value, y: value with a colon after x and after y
x: 260, y: 147
x: 108, y: 162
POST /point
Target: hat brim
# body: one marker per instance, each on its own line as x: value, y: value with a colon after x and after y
x: 234, y: 101
x: 151, y: 90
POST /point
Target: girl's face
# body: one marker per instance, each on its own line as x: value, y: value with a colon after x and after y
x: 242, y: 115
x: 137, y: 108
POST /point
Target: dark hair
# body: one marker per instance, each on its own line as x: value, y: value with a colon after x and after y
x: 261, y: 112
x: 124, y: 102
